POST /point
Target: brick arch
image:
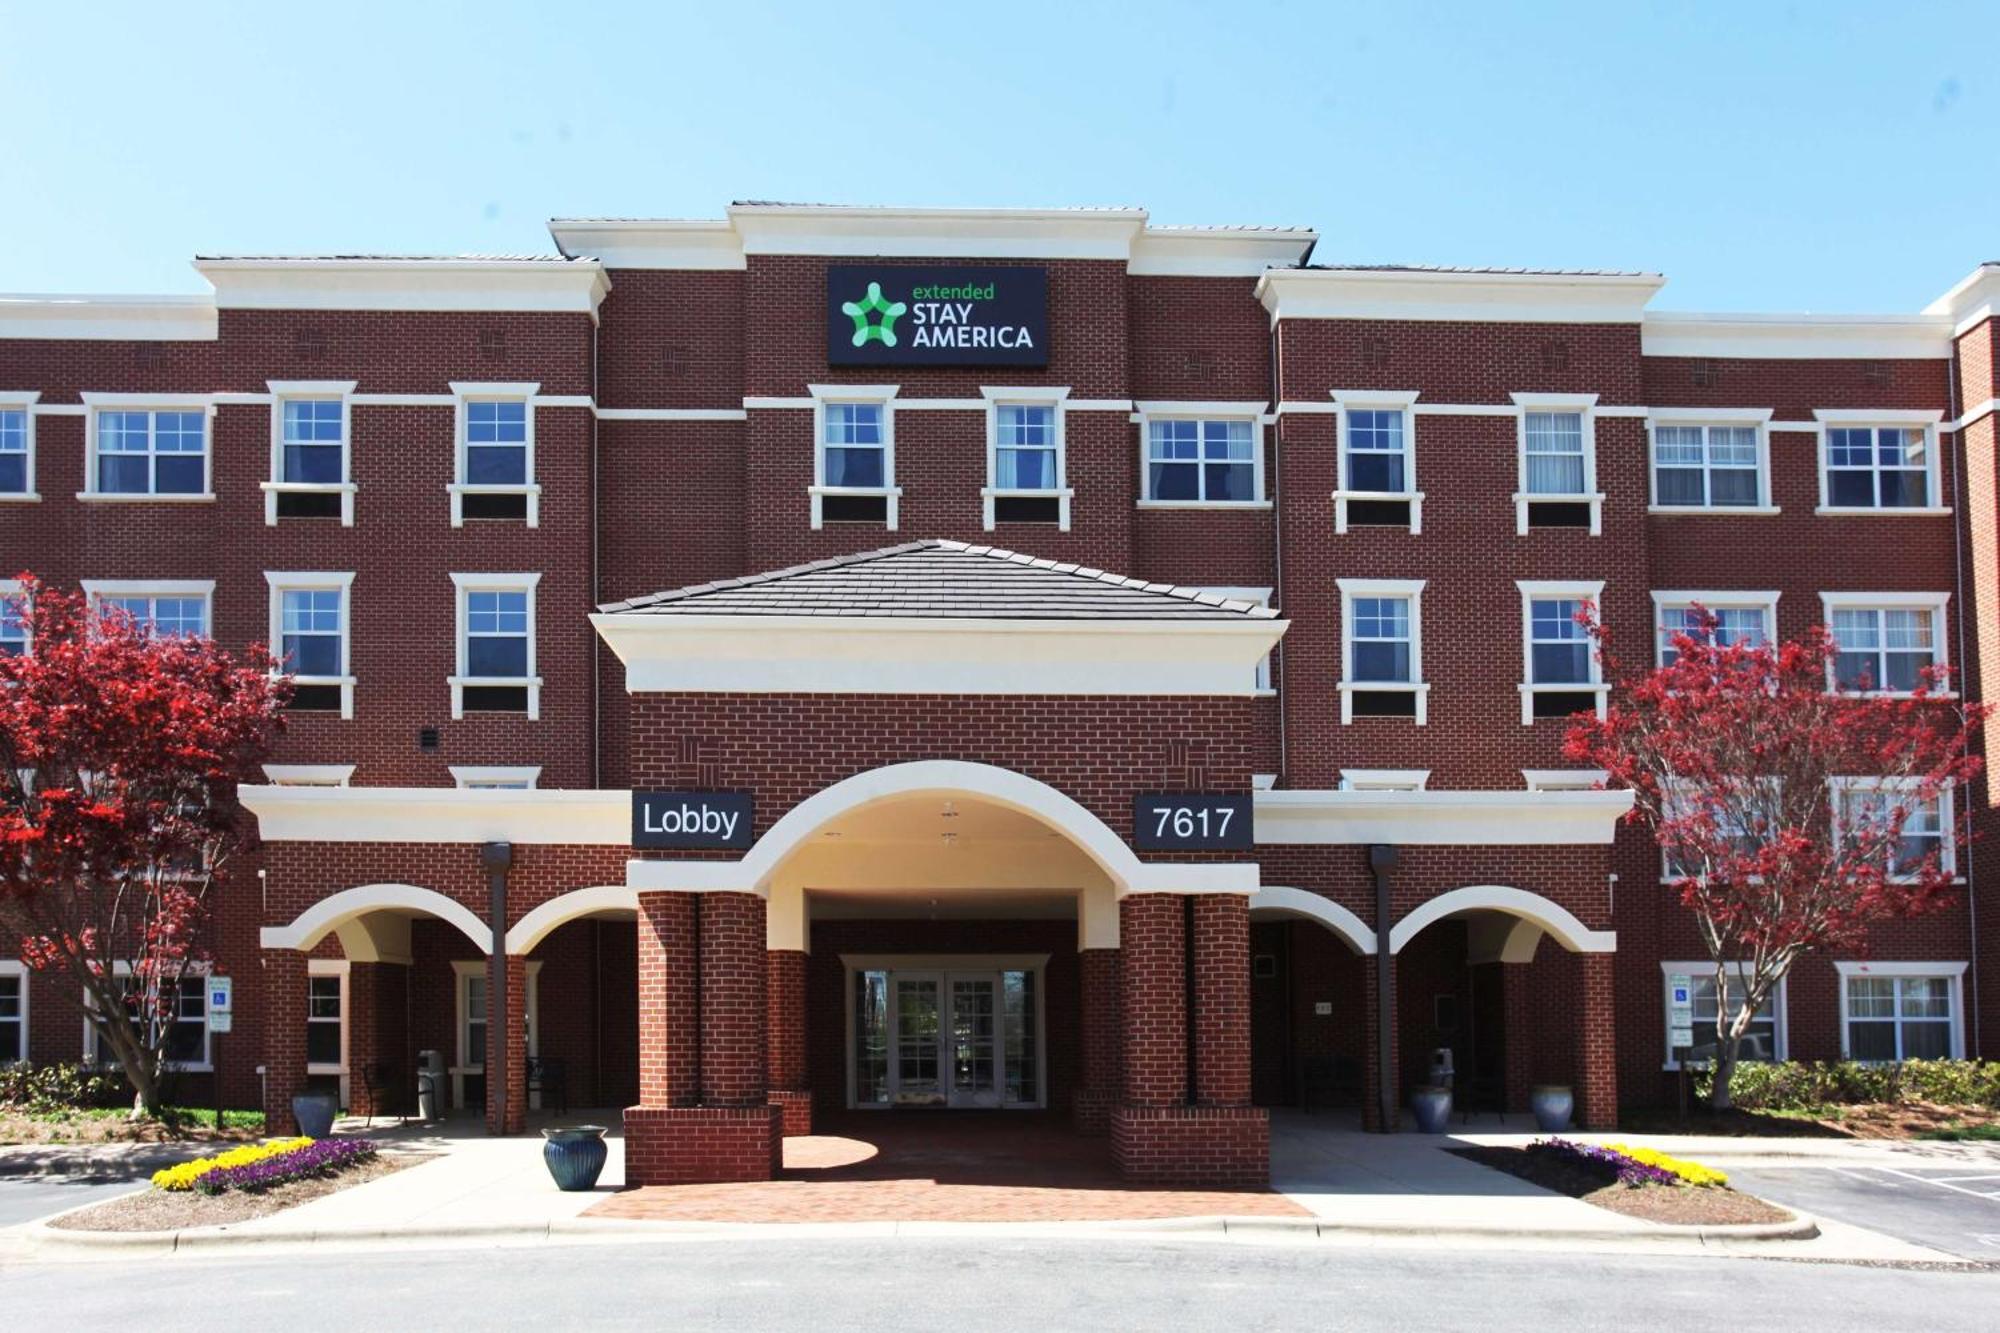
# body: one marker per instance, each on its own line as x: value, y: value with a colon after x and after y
x: 345, y: 914
x: 598, y: 900
x: 1272, y: 900
x: 1547, y: 916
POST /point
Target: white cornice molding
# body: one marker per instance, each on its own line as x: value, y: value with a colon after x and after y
x: 129, y: 318
x: 1433, y: 818
x: 440, y: 814
x: 937, y: 233
x: 1796, y: 337
x: 1971, y: 301
x: 577, y: 287
x: 1217, y: 252
x: 915, y: 655
x: 1422, y: 294
x: 666, y: 243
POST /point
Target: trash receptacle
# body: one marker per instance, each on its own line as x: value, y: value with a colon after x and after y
x: 430, y: 1085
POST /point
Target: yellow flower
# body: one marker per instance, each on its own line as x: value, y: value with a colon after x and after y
x: 184, y: 1176
x: 1689, y: 1173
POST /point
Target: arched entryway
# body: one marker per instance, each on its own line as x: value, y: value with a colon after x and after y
x: 1309, y: 957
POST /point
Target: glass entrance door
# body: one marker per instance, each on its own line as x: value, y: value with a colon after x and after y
x: 917, y: 1041
x: 926, y: 1037
x: 972, y: 1041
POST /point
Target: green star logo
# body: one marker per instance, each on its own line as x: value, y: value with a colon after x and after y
x: 868, y: 329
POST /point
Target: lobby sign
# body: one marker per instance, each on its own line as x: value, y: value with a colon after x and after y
x: 1192, y: 822
x: 936, y: 315
x: 705, y: 820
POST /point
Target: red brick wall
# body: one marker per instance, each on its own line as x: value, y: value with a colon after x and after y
x: 669, y: 1031
x: 1152, y: 940
x: 731, y: 941
x: 1221, y: 943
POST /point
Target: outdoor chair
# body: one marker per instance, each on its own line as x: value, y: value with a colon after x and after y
x: 551, y: 1079
x: 1329, y: 1080
x: 1482, y: 1093
x: 380, y: 1081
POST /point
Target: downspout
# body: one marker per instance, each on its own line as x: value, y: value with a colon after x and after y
x: 596, y: 590
x: 1382, y: 860
x: 496, y: 857
x: 1961, y: 479
x: 1279, y: 678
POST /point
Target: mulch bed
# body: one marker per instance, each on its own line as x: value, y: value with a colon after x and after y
x: 1874, y: 1120
x: 22, y: 1129
x: 1687, y: 1205
x: 171, y: 1210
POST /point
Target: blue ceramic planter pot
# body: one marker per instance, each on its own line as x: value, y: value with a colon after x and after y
x: 1432, y: 1107
x: 575, y: 1156
x: 1552, y: 1105
x: 314, y: 1111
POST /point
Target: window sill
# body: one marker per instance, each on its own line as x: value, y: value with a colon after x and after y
x: 1940, y: 696
x: 1347, y: 689
x: 20, y: 498
x: 1713, y: 511
x: 1892, y: 511
x: 1385, y: 686
x: 1039, y: 493
x: 1378, y: 495
x: 893, y: 491
x: 327, y: 1069
x: 476, y: 488
x: 145, y: 497
x: 308, y: 487
x: 1204, y: 504
x: 1579, y: 498
x: 1597, y: 688
x: 1414, y: 499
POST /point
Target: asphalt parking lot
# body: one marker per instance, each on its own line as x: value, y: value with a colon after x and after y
x: 1954, y: 1208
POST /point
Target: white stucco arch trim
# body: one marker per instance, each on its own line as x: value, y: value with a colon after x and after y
x: 538, y: 924
x: 946, y: 777
x: 1277, y: 900
x: 329, y: 914
x: 1556, y: 920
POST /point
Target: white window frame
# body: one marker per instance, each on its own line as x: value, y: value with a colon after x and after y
x: 1707, y: 418
x: 1678, y: 599
x: 95, y: 404
x: 459, y: 679
x: 23, y: 401
x: 1376, y: 400
x: 1546, y: 589
x: 1857, y: 419
x: 308, y: 775
x: 1848, y: 970
x: 283, y: 391
x: 466, y: 1063
x: 332, y: 967
x: 883, y: 396
x: 1056, y: 401
x: 1781, y: 1040
x: 95, y: 590
x: 1256, y: 597
x: 1384, y: 779
x: 1673, y: 788
x: 10, y: 590
x: 470, y: 777
x: 1411, y: 590
x: 14, y: 967
x: 466, y: 393
x: 196, y: 973
x: 1144, y: 414
x: 1563, y: 779
x: 1934, y: 602
x: 1947, y: 817
x: 295, y: 581
x: 1583, y: 405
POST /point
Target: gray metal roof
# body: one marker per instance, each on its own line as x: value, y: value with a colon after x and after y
x: 944, y: 580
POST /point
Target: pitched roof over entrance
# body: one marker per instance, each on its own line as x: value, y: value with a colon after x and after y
x: 944, y: 580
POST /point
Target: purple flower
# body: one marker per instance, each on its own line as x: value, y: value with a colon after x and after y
x: 319, y: 1158
x: 1606, y: 1161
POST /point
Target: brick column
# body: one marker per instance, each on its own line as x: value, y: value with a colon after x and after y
x: 1102, y: 1023
x: 1517, y: 1023
x: 1596, y: 1036
x: 667, y: 1034
x: 362, y: 1030
x: 1153, y: 998
x: 513, y: 1031
x: 284, y: 1037
x: 785, y: 1021
x: 732, y: 1000
x: 1373, y: 1076
x: 1222, y: 999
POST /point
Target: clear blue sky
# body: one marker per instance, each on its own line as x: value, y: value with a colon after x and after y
x: 1838, y: 157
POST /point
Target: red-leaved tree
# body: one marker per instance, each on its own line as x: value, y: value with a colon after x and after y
x: 120, y: 751
x: 1795, y: 804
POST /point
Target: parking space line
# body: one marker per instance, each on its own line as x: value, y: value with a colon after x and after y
x: 1956, y: 1180
x: 1941, y: 1184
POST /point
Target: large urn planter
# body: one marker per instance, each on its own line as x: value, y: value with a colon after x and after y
x: 1552, y: 1104
x: 314, y: 1113
x: 575, y: 1157
x: 1432, y: 1107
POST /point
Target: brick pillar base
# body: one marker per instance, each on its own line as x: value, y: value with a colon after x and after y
x: 1097, y: 1092
x: 1210, y: 1147
x: 284, y: 1037
x: 1596, y: 1070
x: 795, y: 1111
x: 696, y: 1145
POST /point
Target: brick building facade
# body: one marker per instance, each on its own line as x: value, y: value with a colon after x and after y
x: 569, y: 548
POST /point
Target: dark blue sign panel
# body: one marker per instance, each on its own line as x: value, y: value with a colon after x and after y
x: 691, y: 819
x: 936, y: 315
x: 1192, y: 822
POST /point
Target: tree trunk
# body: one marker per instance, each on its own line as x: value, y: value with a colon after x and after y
x: 1725, y: 1067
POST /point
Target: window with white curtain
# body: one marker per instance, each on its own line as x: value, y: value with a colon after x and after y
x: 1706, y: 467
x: 1900, y: 1011
x: 1554, y: 451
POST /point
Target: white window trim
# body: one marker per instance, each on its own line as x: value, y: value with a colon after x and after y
x: 23, y: 401
x: 94, y: 403
x: 468, y: 583
x: 332, y: 967
x: 1054, y: 399
x: 1680, y: 599
x: 14, y: 967
x: 1413, y: 590
x: 1952, y: 972
x: 1590, y: 591
x: 10, y: 589
x: 1759, y: 418
x: 1256, y: 597
x: 488, y: 775
x: 1780, y: 1008
x: 1585, y: 406
x: 884, y: 396
x: 465, y: 1065
x: 1934, y: 602
x: 1384, y: 779
x: 1381, y: 400
x: 1673, y: 787
x: 308, y: 775
x: 283, y: 390
x: 1831, y: 419
x: 95, y: 590
x: 1564, y: 779
x: 1144, y: 414
x: 468, y: 392
x: 1947, y: 817
x: 284, y: 582
x: 195, y: 972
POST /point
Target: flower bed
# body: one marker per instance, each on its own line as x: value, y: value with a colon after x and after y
x: 186, y: 1175
x: 1638, y: 1182
x: 253, y: 1181
x: 304, y: 1158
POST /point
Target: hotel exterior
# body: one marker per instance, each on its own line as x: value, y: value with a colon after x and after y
x: 831, y: 660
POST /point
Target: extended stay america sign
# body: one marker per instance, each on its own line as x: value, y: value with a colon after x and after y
x: 936, y: 315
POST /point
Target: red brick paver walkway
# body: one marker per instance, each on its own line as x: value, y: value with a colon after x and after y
x: 940, y: 1166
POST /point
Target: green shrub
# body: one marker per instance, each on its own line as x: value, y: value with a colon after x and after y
x: 46, y: 1089
x: 1805, y: 1086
